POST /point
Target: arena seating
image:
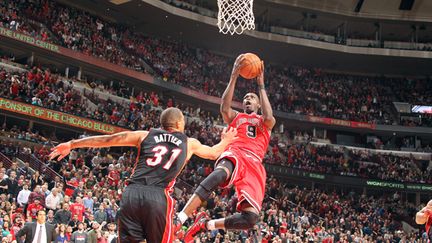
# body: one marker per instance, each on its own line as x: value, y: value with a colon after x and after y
x: 53, y: 91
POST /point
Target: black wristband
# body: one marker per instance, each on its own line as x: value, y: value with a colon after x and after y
x: 261, y: 86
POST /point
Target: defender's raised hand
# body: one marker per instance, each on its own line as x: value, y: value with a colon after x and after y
x: 229, y: 134
x: 61, y: 150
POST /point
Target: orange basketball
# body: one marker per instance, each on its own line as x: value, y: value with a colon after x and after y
x: 251, y: 66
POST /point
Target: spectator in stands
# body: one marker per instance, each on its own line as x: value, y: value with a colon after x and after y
x: 37, y: 194
x: 50, y: 217
x: 63, y: 216
x: 112, y: 234
x: 36, y: 180
x: 6, y: 231
x: 23, y: 196
x: 3, y: 183
x: 17, y: 222
x: 114, y: 177
x: 78, y: 209
x: 55, y: 183
x: 94, y: 234
x: 13, y: 168
x: 45, y: 190
x: 69, y: 231
x: 79, y: 236
x: 88, y: 201
x: 26, y: 172
x: 79, y: 191
x: 61, y: 235
x: 100, y: 215
x: 12, y: 184
x: 33, y: 209
x: 52, y: 201
x: 74, y: 223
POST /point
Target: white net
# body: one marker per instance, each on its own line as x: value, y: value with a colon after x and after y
x: 235, y: 16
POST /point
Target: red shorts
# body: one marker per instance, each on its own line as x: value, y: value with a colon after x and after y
x: 248, y: 177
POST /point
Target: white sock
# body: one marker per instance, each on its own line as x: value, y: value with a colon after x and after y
x: 211, y: 225
x: 182, y: 217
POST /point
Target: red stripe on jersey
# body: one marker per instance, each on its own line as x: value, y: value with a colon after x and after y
x: 168, y: 235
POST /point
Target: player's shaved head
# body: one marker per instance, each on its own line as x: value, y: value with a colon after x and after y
x: 170, y: 117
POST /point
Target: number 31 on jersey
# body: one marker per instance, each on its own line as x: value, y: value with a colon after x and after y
x: 160, y: 151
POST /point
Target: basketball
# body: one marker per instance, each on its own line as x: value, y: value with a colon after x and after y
x: 251, y: 66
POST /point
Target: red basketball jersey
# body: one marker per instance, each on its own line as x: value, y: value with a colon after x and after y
x: 253, y: 135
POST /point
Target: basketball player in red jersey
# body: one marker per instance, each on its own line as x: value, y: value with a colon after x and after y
x: 240, y: 164
x: 424, y: 217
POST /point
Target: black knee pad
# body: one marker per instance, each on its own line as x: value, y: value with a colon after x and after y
x: 216, y: 178
x: 209, y: 184
x: 227, y: 164
x: 241, y: 221
x: 251, y: 218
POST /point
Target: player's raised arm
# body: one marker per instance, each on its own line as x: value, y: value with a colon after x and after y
x: 267, y: 111
x: 212, y: 153
x: 131, y: 139
x: 228, y: 114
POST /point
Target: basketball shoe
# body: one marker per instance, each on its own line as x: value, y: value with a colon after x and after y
x: 198, y: 226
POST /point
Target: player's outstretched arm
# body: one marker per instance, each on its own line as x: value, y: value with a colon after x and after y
x: 267, y: 111
x: 228, y: 114
x: 212, y: 153
x: 132, y: 139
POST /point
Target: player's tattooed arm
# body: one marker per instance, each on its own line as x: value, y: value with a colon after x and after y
x: 130, y: 139
x: 228, y: 114
x: 267, y: 111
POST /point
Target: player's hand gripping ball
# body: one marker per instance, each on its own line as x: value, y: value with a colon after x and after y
x: 250, y: 66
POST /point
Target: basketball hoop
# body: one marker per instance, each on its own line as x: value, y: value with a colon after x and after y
x: 235, y: 16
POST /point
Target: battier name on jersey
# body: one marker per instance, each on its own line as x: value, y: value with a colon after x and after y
x: 167, y: 138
